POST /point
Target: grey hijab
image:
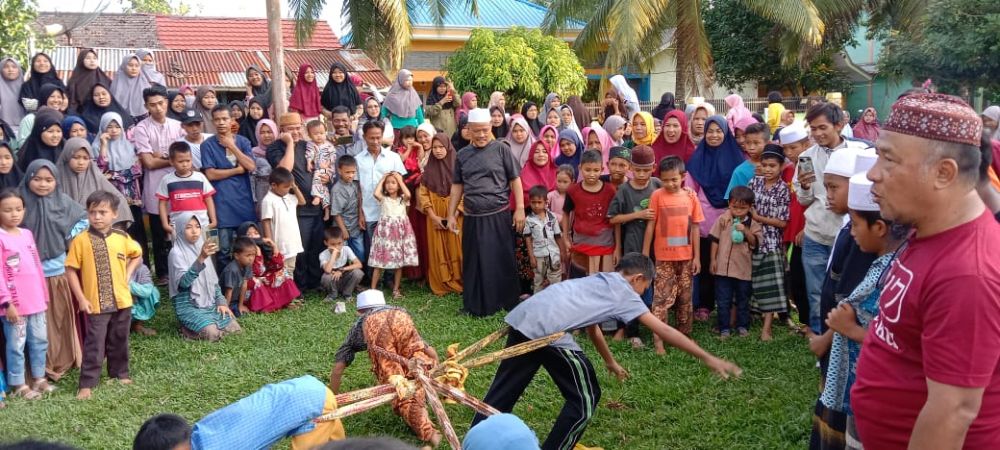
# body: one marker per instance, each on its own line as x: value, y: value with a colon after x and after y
x: 400, y: 101
x: 11, y: 111
x: 148, y: 70
x: 79, y: 186
x: 50, y: 218
x: 121, y: 152
x: 183, y: 255
x: 128, y: 90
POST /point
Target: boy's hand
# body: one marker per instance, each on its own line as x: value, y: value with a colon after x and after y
x: 618, y: 371
x: 713, y: 266
x: 798, y: 238
x: 842, y: 318
x: 12, y: 317
x: 169, y: 229
x: 84, y: 305
x: 695, y: 267
x: 224, y: 311
x: 723, y: 368
x: 646, y: 214
x: 534, y: 261
x: 336, y: 274
x: 740, y: 227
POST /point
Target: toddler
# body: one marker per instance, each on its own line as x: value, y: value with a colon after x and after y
x: 320, y: 157
x: 544, y: 238
x: 734, y: 236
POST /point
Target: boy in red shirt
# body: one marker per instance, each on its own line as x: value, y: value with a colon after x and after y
x: 794, y: 140
x: 592, y: 232
x: 674, y: 235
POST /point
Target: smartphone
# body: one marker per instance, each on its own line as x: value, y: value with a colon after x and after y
x: 806, y: 165
x: 345, y: 140
x: 213, y: 236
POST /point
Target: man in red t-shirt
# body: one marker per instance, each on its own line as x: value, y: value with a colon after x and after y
x: 929, y: 373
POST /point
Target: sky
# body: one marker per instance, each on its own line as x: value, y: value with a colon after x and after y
x: 217, y: 8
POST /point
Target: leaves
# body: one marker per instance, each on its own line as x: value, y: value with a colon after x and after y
x: 17, y: 18
x: 524, y: 64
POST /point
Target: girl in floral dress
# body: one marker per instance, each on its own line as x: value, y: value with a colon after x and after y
x: 393, y: 244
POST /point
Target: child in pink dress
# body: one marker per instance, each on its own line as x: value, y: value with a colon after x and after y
x: 23, y: 299
x: 394, y: 245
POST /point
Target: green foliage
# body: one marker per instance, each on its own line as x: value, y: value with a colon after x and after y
x: 958, y: 47
x: 524, y: 64
x: 746, y: 47
x: 155, y: 7
x: 17, y: 18
x: 670, y: 401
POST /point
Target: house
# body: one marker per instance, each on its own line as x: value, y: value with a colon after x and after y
x: 202, y: 50
x: 860, y: 62
x: 431, y: 45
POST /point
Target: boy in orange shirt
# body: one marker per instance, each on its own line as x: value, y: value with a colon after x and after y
x: 673, y: 235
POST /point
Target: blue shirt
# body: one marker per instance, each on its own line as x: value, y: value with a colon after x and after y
x: 263, y: 418
x: 234, y: 202
x: 370, y: 172
x: 741, y: 176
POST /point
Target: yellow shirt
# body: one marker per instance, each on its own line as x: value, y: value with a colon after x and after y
x: 102, y: 262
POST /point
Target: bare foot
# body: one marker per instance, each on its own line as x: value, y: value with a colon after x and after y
x: 619, y: 335
x: 765, y: 337
x: 83, y: 394
x: 435, y: 439
x: 138, y: 328
x: 659, y: 348
x: 125, y: 381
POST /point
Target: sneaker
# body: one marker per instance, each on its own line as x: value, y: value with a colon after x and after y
x: 161, y: 281
x: 743, y: 332
x: 724, y: 335
x: 330, y: 298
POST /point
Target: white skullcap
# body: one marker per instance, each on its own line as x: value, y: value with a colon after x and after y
x: 859, y: 194
x: 793, y: 133
x: 370, y: 299
x: 865, y: 160
x: 842, y: 162
x: 479, y: 115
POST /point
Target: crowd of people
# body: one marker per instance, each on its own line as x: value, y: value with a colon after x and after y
x: 567, y: 220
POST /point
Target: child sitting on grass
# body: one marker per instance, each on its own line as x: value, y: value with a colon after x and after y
x: 99, y: 264
x: 270, y: 289
x: 734, y: 236
x: 341, y: 267
x: 572, y: 305
x: 390, y: 328
x: 23, y: 300
x: 237, y: 273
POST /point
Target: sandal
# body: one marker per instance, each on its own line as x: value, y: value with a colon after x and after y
x: 396, y: 295
x: 26, y: 393
x: 637, y: 343
x: 42, y: 386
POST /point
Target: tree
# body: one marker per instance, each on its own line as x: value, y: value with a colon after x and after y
x: 629, y: 33
x: 17, y: 18
x: 524, y: 64
x: 155, y: 7
x: 746, y: 47
x: 379, y: 27
x: 959, y: 49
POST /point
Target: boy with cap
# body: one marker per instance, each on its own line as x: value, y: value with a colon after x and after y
x: 833, y: 423
x: 388, y: 328
x: 619, y: 161
x: 629, y: 211
x: 194, y: 135
x: 794, y: 139
x: 672, y: 232
x: 771, y: 200
x: 571, y: 305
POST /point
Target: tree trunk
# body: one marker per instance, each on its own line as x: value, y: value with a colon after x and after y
x: 680, y: 88
x: 277, y: 51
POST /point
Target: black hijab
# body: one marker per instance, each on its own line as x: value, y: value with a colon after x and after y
x: 32, y: 87
x: 457, y: 140
x: 536, y: 124
x: 248, y: 125
x: 82, y: 81
x: 34, y: 148
x: 433, y: 97
x: 501, y: 131
x: 91, y: 112
x: 13, y: 178
x: 667, y: 104
x: 46, y: 91
x: 340, y: 94
x: 266, y: 250
x: 261, y: 93
x: 178, y: 116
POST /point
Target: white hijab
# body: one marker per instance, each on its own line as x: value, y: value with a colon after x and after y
x: 183, y: 255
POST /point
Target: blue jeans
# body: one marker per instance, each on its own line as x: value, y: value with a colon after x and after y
x: 226, y: 238
x: 357, y: 245
x: 815, y: 257
x: 728, y: 290
x: 31, y: 336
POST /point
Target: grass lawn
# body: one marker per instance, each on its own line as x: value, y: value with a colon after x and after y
x: 670, y: 401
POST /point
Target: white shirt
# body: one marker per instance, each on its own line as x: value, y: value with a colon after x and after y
x: 370, y: 172
x: 284, y: 223
x: 345, y: 257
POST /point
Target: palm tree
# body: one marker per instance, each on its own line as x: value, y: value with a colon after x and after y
x: 628, y: 33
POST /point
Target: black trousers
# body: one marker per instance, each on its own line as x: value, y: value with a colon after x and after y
x: 137, y: 231
x: 107, y: 337
x: 706, y: 281
x: 161, y: 246
x: 307, y: 269
x: 797, y: 285
x: 572, y: 373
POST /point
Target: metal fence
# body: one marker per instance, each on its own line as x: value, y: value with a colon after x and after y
x: 755, y: 104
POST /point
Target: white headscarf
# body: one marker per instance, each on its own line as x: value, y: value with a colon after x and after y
x: 183, y: 255
x: 121, y: 152
x: 621, y: 85
x: 993, y: 112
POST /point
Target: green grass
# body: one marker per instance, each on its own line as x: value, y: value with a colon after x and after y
x: 670, y: 401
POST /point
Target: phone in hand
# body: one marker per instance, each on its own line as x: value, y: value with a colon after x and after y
x: 213, y: 236
x: 806, y: 165
x: 345, y: 140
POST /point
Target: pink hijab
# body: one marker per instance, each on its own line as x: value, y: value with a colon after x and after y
x: 606, y: 142
x: 865, y: 130
x: 554, y: 150
x: 260, y: 150
x: 737, y: 111
x: 465, y: 108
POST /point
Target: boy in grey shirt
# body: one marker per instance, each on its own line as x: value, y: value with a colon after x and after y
x: 543, y: 236
x: 571, y: 305
x: 345, y: 206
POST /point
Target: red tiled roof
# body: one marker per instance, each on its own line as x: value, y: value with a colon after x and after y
x: 222, y: 33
